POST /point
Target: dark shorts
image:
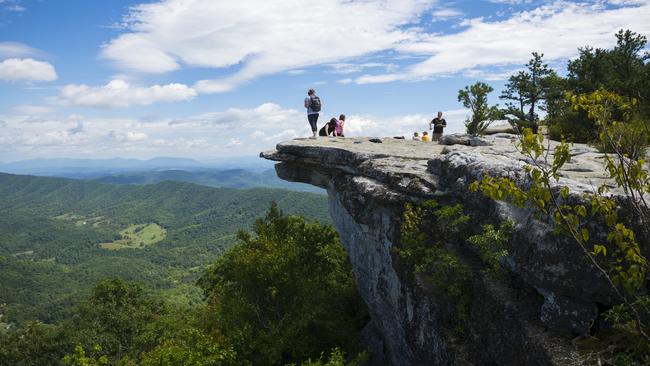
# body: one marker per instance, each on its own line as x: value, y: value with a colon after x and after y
x: 313, y: 119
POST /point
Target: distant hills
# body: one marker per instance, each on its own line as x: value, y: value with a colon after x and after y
x: 232, y: 178
x: 52, y: 231
x: 51, y: 166
x: 241, y: 173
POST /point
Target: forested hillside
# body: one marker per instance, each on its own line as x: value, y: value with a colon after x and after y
x: 229, y: 178
x: 60, y: 237
x: 284, y: 294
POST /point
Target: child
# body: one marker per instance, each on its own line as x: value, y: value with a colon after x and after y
x: 416, y: 136
x: 425, y: 136
x: 339, y: 125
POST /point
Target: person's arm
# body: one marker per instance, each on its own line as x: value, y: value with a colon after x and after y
x: 306, y: 102
x: 444, y: 122
x: 430, y: 122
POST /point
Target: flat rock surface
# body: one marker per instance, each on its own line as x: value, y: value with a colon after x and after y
x: 362, y: 146
x: 397, y: 157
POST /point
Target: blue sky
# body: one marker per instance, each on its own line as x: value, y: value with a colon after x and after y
x: 207, y: 79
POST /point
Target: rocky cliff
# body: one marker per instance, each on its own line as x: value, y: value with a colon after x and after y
x: 529, y: 317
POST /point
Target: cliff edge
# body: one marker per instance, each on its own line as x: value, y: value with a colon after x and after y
x: 551, y: 295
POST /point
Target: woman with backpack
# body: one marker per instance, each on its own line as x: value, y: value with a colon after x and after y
x: 313, y: 105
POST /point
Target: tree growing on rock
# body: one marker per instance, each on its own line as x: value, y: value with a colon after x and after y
x: 527, y: 91
x: 475, y: 98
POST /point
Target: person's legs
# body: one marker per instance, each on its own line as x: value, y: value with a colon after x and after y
x: 435, y: 136
x: 313, y: 120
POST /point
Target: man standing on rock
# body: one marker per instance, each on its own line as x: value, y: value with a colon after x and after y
x: 312, y: 103
x: 438, y: 124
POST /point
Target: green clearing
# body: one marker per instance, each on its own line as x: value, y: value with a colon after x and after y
x: 137, y: 237
x: 81, y: 220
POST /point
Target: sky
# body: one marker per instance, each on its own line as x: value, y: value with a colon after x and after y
x: 209, y: 79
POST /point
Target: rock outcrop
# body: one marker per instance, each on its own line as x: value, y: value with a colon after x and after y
x: 529, y: 318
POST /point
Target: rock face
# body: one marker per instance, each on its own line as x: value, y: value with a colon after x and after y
x: 554, y: 293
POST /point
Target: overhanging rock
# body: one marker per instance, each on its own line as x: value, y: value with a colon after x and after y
x: 529, y: 319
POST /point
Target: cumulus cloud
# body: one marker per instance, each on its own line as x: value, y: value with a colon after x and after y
x: 234, y: 131
x: 556, y: 29
x: 119, y: 93
x: 259, y: 37
x: 26, y: 69
x: 251, y: 39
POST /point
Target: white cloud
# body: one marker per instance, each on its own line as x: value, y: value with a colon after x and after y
x: 446, y: 13
x: 15, y: 8
x: 556, y: 29
x: 259, y: 38
x: 26, y: 69
x: 511, y: 2
x: 16, y: 49
x: 127, y: 136
x: 231, y: 132
x: 351, y: 68
x: 31, y: 110
x: 119, y: 93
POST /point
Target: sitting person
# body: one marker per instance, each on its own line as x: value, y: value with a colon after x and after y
x: 416, y: 137
x: 329, y: 128
x: 425, y: 136
x: 339, y: 125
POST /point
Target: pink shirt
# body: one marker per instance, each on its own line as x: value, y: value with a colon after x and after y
x: 339, y: 127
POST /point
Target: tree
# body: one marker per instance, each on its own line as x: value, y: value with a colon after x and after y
x: 285, y: 293
x: 526, y: 92
x: 623, y: 70
x: 474, y: 97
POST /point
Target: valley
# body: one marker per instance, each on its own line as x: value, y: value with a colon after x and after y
x: 59, y: 237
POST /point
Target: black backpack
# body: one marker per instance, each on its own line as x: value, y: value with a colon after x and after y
x: 314, y: 103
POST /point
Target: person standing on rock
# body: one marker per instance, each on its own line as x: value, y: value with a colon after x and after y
x: 313, y: 105
x: 438, y: 125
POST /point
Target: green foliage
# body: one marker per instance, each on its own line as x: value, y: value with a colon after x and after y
x: 623, y: 70
x: 527, y: 91
x: 337, y: 358
x: 79, y: 358
x: 431, y: 257
x: 628, y: 267
x: 474, y: 98
x: 284, y: 293
x: 189, y: 348
x: 49, y: 259
x: 618, y: 259
x: 491, y: 245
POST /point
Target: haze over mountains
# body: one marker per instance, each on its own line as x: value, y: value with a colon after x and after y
x: 241, y: 173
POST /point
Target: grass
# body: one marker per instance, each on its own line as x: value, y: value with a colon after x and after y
x: 137, y: 237
x: 81, y: 220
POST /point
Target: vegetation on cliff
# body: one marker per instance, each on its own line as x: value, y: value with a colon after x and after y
x: 624, y: 338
